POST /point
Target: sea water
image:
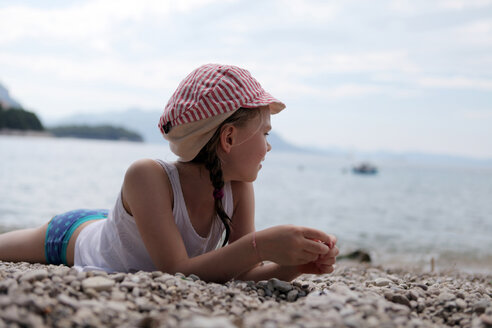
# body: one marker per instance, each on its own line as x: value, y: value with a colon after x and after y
x: 406, y: 214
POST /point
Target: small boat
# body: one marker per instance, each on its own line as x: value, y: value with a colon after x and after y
x: 365, y: 168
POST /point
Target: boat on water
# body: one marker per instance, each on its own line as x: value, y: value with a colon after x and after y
x: 365, y: 168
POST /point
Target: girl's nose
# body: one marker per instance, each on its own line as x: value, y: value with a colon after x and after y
x: 269, y: 147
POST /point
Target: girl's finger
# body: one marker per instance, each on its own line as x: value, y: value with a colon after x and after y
x: 334, y: 239
x: 318, y: 235
x: 309, y: 256
x: 326, y: 268
x: 333, y: 252
x: 315, y: 247
x: 326, y: 261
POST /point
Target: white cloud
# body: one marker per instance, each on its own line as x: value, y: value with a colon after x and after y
x: 457, y: 82
x: 477, y: 114
x: 478, y: 32
x: 93, y: 21
x: 151, y: 74
x: 463, y: 4
x: 316, y: 11
x: 369, y: 62
x: 412, y: 7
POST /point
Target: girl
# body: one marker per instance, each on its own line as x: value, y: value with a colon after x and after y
x: 195, y: 215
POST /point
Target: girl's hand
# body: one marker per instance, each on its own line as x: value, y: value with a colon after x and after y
x: 291, y: 245
x: 324, y: 264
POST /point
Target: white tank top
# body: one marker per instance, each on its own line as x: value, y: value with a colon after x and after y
x: 115, y: 245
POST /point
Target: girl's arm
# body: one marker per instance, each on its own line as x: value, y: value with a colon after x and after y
x: 148, y: 196
x: 243, y: 225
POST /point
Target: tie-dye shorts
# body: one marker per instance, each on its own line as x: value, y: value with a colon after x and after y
x: 61, y: 228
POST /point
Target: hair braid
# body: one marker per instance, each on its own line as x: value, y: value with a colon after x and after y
x: 215, y: 168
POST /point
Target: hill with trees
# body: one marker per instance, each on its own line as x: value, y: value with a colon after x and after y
x: 19, y: 119
x: 106, y: 132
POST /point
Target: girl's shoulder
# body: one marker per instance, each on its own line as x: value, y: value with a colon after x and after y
x: 145, y: 168
x: 145, y: 179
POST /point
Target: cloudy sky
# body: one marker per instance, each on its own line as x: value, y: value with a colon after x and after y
x: 389, y: 75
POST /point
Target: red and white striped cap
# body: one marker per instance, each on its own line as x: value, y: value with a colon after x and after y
x: 203, y: 100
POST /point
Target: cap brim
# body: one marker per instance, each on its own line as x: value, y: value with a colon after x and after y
x: 266, y: 99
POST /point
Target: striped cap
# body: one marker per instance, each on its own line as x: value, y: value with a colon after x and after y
x: 203, y: 100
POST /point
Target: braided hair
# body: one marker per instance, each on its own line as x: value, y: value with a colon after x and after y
x: 208, y: 156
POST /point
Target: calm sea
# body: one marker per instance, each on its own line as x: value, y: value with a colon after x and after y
x: 406, y: 214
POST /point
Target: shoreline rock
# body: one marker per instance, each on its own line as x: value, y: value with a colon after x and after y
x: 355, y: 295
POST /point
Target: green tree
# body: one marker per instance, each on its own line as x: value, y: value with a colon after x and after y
x: 19, y: 119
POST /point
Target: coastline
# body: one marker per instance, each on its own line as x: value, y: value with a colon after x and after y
x: 355, y: 295
x: 25, y: 133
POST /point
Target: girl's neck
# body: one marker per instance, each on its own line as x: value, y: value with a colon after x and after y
x: 195, y: 172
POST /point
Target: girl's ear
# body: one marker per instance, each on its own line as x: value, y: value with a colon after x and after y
x: 227, y: 137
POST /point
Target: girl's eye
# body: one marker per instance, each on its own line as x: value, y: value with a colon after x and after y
x: 267, y: 134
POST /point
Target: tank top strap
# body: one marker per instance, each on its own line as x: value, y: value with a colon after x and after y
x: 173, y: 175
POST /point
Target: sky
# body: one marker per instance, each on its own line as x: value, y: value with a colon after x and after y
x: 394, y: 75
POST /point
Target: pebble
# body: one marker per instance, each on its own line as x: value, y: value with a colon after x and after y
x: 97, y: 283
x: 292, y: 295
x: 34, y: 275
x: 282, y: 286
x: 381, y: 282
x: 355, y: 295
x: 480, y: 306
x: 401, y: 299
x: 445, y: 297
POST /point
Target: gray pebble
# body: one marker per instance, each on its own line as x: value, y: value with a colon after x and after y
x: 445, y: 297
x: 381, y: 282
x: 292, y: 295
x: 194, y: 277
x: 400, y: 299
x: 280, y: 285
x: 480, y: 306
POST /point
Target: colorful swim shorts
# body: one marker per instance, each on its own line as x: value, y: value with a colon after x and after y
x: 61, y: 228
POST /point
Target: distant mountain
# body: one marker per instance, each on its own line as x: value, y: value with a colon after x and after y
x: 6, y: 100
x: 103, y: 132
x: 145, y: 123
x: 140, y: 121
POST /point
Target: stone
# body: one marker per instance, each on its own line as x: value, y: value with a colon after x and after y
x: 461, y: 303
x: 486, y: 320
x: 67, y: 300
x: 401, y: 299
x: 282, y: 286
x: 34, y: 275
x: 97, y: 283
x: 423, y: 286
x: 194, y: 277
x: 412, y: 295
x: 118, y: 277
x: 381, y: 282
x: 446, y: 297
x: 207, y: 322
x: 480, y: 306
x: 292, y: 295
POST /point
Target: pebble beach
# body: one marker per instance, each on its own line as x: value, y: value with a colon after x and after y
x: 355, y: 295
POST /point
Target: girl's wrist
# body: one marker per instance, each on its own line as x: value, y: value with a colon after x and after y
x: 256, y: 248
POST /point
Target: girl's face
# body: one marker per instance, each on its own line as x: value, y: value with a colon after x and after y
x: 249, y: 149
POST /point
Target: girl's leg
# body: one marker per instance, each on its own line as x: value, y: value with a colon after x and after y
x: 26, y: 245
